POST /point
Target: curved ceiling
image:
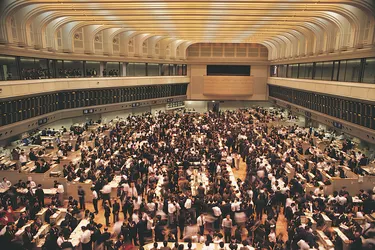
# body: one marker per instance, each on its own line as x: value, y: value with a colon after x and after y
x: 288, y: 28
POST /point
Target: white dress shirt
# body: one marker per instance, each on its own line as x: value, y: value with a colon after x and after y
x: 171, y: 208
x: 188, y: 203
x: 60, y: 189
x: 60, y: 240
x: 106, y: 189
x: 94, y: 195
x: 23, y: 158
x: 86, y: 237
x: 201, y: 221
x: 217, y: 211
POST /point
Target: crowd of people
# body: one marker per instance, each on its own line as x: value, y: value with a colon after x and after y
x: 40, y: 73
x: 35, y: 73
x: 175, y: 182
x: 112, y: 72
x: 70, y: 73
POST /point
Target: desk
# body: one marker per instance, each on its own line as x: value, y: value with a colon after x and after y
x: 369, y: 170
x: 42, y: 231
x: 41, y: 214
x: 327, y: 220
x: 343, y: 237
x: 46, y: 138
x: 21, y: 231
x: 47, y: 191
x: 75, y: 236
x: 59, y: 214
x: 325, y: 240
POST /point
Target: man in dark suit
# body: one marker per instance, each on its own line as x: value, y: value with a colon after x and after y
x: 22, y: 220
x: 28, y: 239
x: 107, y: 213
x: 39, y: 193
x: 81, y: 198
x: 67, y: 245
x: 48, y: 214
x: 32, y: 155
x: 115, y: 210
x: 105, y: 236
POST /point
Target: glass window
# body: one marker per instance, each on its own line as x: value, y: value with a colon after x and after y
x: 172, y: 69
x: 179, y: 70
x: 336, y: 66
x: 51, y: 68
x: 353, y: 69
x: 130, y: 69
x: 136, y: 69
x: 308, y: 70
x: 273, y: 71
x: 153, y: 69
x: 282, y: 71
x: 327, y: 71
x: 301, y: 71
x: 289, y: 71
x: 342, y: 71
x: 92, y: 69
x: 165, y: 70
x: 369, y: 72
x: 318, y: 71
x: 60, y: 69
x: 140, y: 69
x: 112, y: 69
x: 73, y: 68
x: 28, y: 68
x: 294, y: 70
x: 34, y: 68
x: 8, y: 69
x: 184, y: 69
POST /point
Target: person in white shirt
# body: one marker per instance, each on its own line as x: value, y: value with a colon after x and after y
x: 106, y: 193
x: 217, y: 215
x: 31, y: 184
x: 208, y: 246
x: 188, y: 203
x: 95, y: 198
x: 272, y: 236
x: 5, y: 184
x: 23, y: 158
x: 201, y: 221
x: 229, y: 160
x: 60, y: 240
x: 218, y: 169
x: 151, y: 206
x: 132, y: 191
x: 227, y: 227
x: 86, y: 239
x: 60, y: 193
x: 303, y: 245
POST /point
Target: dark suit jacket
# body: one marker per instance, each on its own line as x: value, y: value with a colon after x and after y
x: 27, y: 240
x: 48, y: 214
x: 67, y: 245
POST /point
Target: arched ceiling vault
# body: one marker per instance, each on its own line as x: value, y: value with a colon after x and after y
x: 287, y: 28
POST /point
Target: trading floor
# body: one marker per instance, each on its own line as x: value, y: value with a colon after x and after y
x: 248, y: 178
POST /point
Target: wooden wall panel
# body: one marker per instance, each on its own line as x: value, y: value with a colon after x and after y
x: 228, y: 85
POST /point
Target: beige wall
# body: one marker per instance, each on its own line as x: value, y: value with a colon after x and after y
x: 198, y: 72
x: 227, y: 86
